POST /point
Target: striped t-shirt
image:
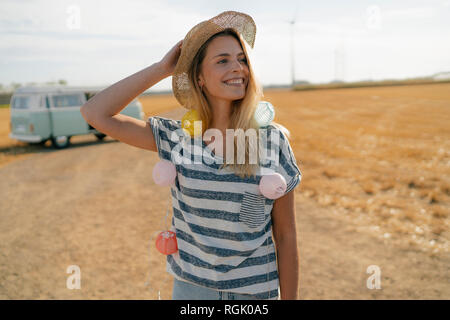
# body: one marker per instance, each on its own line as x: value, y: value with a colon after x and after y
x: 222, y: 221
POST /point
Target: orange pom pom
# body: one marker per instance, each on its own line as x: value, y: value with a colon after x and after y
x: 166, y: 242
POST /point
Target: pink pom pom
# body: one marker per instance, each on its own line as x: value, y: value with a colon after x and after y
x: 272, y: 185
x: 164, y: 173
x: 166, y: 242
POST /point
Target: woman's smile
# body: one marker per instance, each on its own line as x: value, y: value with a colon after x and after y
x: 237, y: 82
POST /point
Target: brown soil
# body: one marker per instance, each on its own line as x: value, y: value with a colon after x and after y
x: 375, y: 191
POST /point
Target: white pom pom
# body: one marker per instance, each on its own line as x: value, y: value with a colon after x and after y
x: 164, y: 173
x: 264, y: 113
x: 272, y: 185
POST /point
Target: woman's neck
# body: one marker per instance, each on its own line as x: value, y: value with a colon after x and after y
x: 221, y: 115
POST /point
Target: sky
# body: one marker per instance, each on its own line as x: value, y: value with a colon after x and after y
x: 97, y: 43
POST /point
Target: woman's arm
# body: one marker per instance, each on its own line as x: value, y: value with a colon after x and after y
x: 103, y: 110
x: 284, y: 231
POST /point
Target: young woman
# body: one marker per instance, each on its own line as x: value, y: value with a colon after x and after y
x: 222, y: 222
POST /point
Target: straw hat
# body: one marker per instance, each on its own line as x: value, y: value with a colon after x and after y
x: 241, y: 23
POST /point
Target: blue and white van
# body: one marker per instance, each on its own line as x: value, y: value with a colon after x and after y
x: 41, y: 113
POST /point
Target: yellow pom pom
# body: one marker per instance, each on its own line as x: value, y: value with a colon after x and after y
x: 187, y: 122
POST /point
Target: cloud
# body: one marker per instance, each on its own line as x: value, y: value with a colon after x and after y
x: 140, y: 20
x: 410, y: 13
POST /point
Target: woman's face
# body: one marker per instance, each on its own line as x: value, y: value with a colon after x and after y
x: 224, y: 60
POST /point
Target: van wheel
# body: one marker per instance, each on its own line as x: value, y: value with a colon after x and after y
x: 100, y: 136
x: 61, y: 142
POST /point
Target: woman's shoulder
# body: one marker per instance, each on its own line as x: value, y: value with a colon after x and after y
x: 277, y: 130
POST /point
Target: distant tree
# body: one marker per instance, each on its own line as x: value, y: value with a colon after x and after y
x: 62, y: 82
x: 366, y: 80
x: 336, y: 81
x: 15, y: 85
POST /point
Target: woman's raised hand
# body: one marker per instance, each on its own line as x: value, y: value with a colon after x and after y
x: 169, y: 61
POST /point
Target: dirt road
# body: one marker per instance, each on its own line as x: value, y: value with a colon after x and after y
x: 95, y: 205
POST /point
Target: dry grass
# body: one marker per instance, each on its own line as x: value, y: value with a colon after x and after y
x: 381, y: 156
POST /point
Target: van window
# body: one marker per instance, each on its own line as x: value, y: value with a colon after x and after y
x: 67, y: 100
x: 26, y: 102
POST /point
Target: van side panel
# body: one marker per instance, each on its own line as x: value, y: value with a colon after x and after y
x: 68, y: 121
x: 66, y: 118
x: 41, y: 124
x: 134, y: 109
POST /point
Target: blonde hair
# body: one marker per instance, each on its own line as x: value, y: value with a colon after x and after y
x: 242, y: 109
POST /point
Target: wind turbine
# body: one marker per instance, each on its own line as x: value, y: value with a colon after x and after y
x: 340, y: 59
x: 292, y: 23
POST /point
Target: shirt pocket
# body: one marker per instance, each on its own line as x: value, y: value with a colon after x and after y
x: 252, y: 212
